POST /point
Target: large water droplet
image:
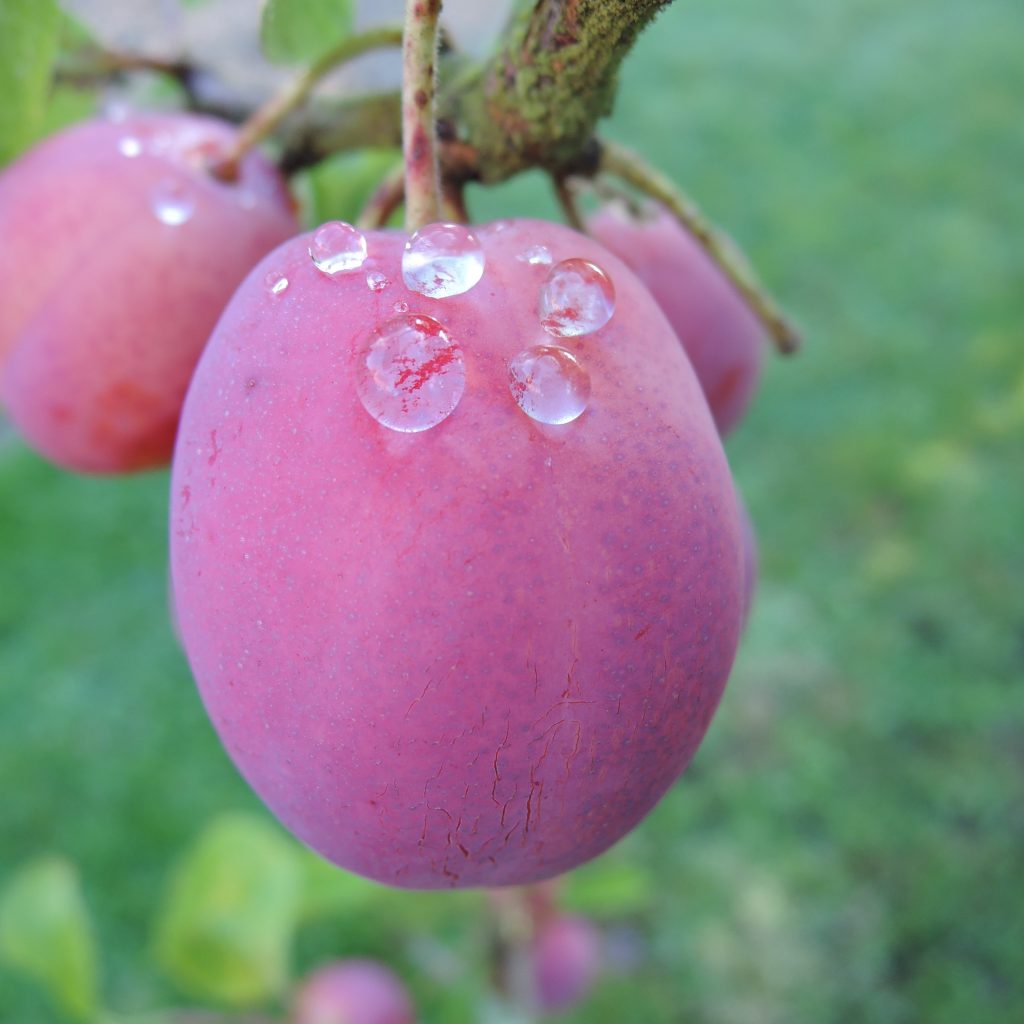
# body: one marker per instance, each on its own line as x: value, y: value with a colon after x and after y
x: 376, y: 281
x: 576, y: 298
x: 549, y: 384
x: 172, y: 202
x: 410, y: 375
x: 535, y: 254
x: 337, y: 247
x: 442, y: 260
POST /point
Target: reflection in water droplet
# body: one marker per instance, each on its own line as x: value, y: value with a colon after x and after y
x: 129, y: 146
x: 410, y: 375
x: 337, y: 247
x: 172, y: 202
x: 442, y: 260
x: 401, y: 306
x: 277, y: 283
x: 376, y: 281
x: 549, y: 384
x: 535, y: 254
x: 577, y: 298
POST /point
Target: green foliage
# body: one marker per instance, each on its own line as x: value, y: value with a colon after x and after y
x: 303, y: 30
x: 29, y: 33
x: 225, y: 930
x: 46, y: 934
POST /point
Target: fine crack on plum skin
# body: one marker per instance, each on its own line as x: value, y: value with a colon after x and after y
x: 455, y: 630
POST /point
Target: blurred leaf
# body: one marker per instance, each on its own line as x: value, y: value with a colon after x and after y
x: 45, y: 933
x: 292, y: 31
x: 609, y: 888
x: 340, y: 186
x: 66, y: 107
x: 29, y: 32
x: 225, y: 930
x: 327, y: 889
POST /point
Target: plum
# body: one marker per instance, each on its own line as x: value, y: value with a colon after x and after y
x: 120, y: 251
x: 460, y: 593
x: 722, y: 337
x: 566, y: 955
x: 352, y: 992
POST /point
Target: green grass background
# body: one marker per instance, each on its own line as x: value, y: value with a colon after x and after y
x: 848, y: 844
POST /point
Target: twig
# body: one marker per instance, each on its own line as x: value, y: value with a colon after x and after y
x: 567, y: 201
x: 632, y: 169
x: 386, y: 198
x: 419, y: 142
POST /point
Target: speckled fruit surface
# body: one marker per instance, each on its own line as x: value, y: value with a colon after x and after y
x: 721, y: 336
x: 104, y: 306
x: 473, y: 655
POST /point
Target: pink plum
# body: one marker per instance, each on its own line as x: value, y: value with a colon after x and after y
x: 566, y: 955
x: 352, y: 992
x: 472, y: 653
x: 724, y: 340
x: 120, y: 250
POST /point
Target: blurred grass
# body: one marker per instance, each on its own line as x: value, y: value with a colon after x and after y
x: 848, y: 844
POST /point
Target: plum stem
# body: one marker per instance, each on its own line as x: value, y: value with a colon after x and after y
x: 567, y: 200
x: 419, y: 135
x: 632, y: 169
x: 514, y: 926
x: 267, y: 117
x: 385, y: 199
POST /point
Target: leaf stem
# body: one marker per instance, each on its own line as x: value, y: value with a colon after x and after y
x: 385, y: 199
x: 267, y: 118
x: 633, y: 170
x: 419, y: 139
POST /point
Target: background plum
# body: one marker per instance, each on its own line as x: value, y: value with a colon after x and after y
x: 120, y: 250
x: 566, y: 955
x: 352, y: 992
x: 476, y: 654
x: 721, y: 336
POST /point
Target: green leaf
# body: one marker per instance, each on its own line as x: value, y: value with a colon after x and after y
x: 293, y: 31
x: 29, y: 32
x: 225, y: 930
x: 329, y: 890
x: 609, y: 888
x: 339, y: 187
x: 46, y: 934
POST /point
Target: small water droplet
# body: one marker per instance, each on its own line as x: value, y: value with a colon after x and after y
x: 576, y: 298
x: 337, y: 247
x: 129, y: 146
x: 401, y: 306
x: 535, y: 254
x: 549, y: 384
x: 442, y: 260
x: 172, y: 202
x: 376, y: 281
x: 277, y: 283
x: 410, y: 375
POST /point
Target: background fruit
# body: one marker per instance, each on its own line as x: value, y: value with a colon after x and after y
x: 480, y: 653
x: 120, y: 250
x: 352, y: 992
x: 566, y: 960
x: 721, y: 336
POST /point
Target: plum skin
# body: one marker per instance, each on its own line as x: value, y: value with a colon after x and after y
x: 722, y: 337
x: 476, y: 655
x: 352, y: 992
x: 104, y: 309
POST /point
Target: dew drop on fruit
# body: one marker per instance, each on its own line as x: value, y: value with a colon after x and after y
x: 576, y: 298
x: 442, y: 260
x: 129, y: 146
x: 276, y: 283
x: 549, y: 384
x: 410, y: 374
x: 337, y: 247
x: 376, y: 281
x: 172, y: 202
x: 401, y: 306
x: 535, y: 255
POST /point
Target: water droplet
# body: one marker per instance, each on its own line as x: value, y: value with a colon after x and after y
x: 549, y: 384
x: 172, y: 203
x: 442, y: 260
x: 277, y: 283
x: 535, y: 254
x: 376, y: 281
x: 410, y: 375
x: 337, y: 247
x: 129, y: 146
x: 401, y: 306
x: 577, y: 298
